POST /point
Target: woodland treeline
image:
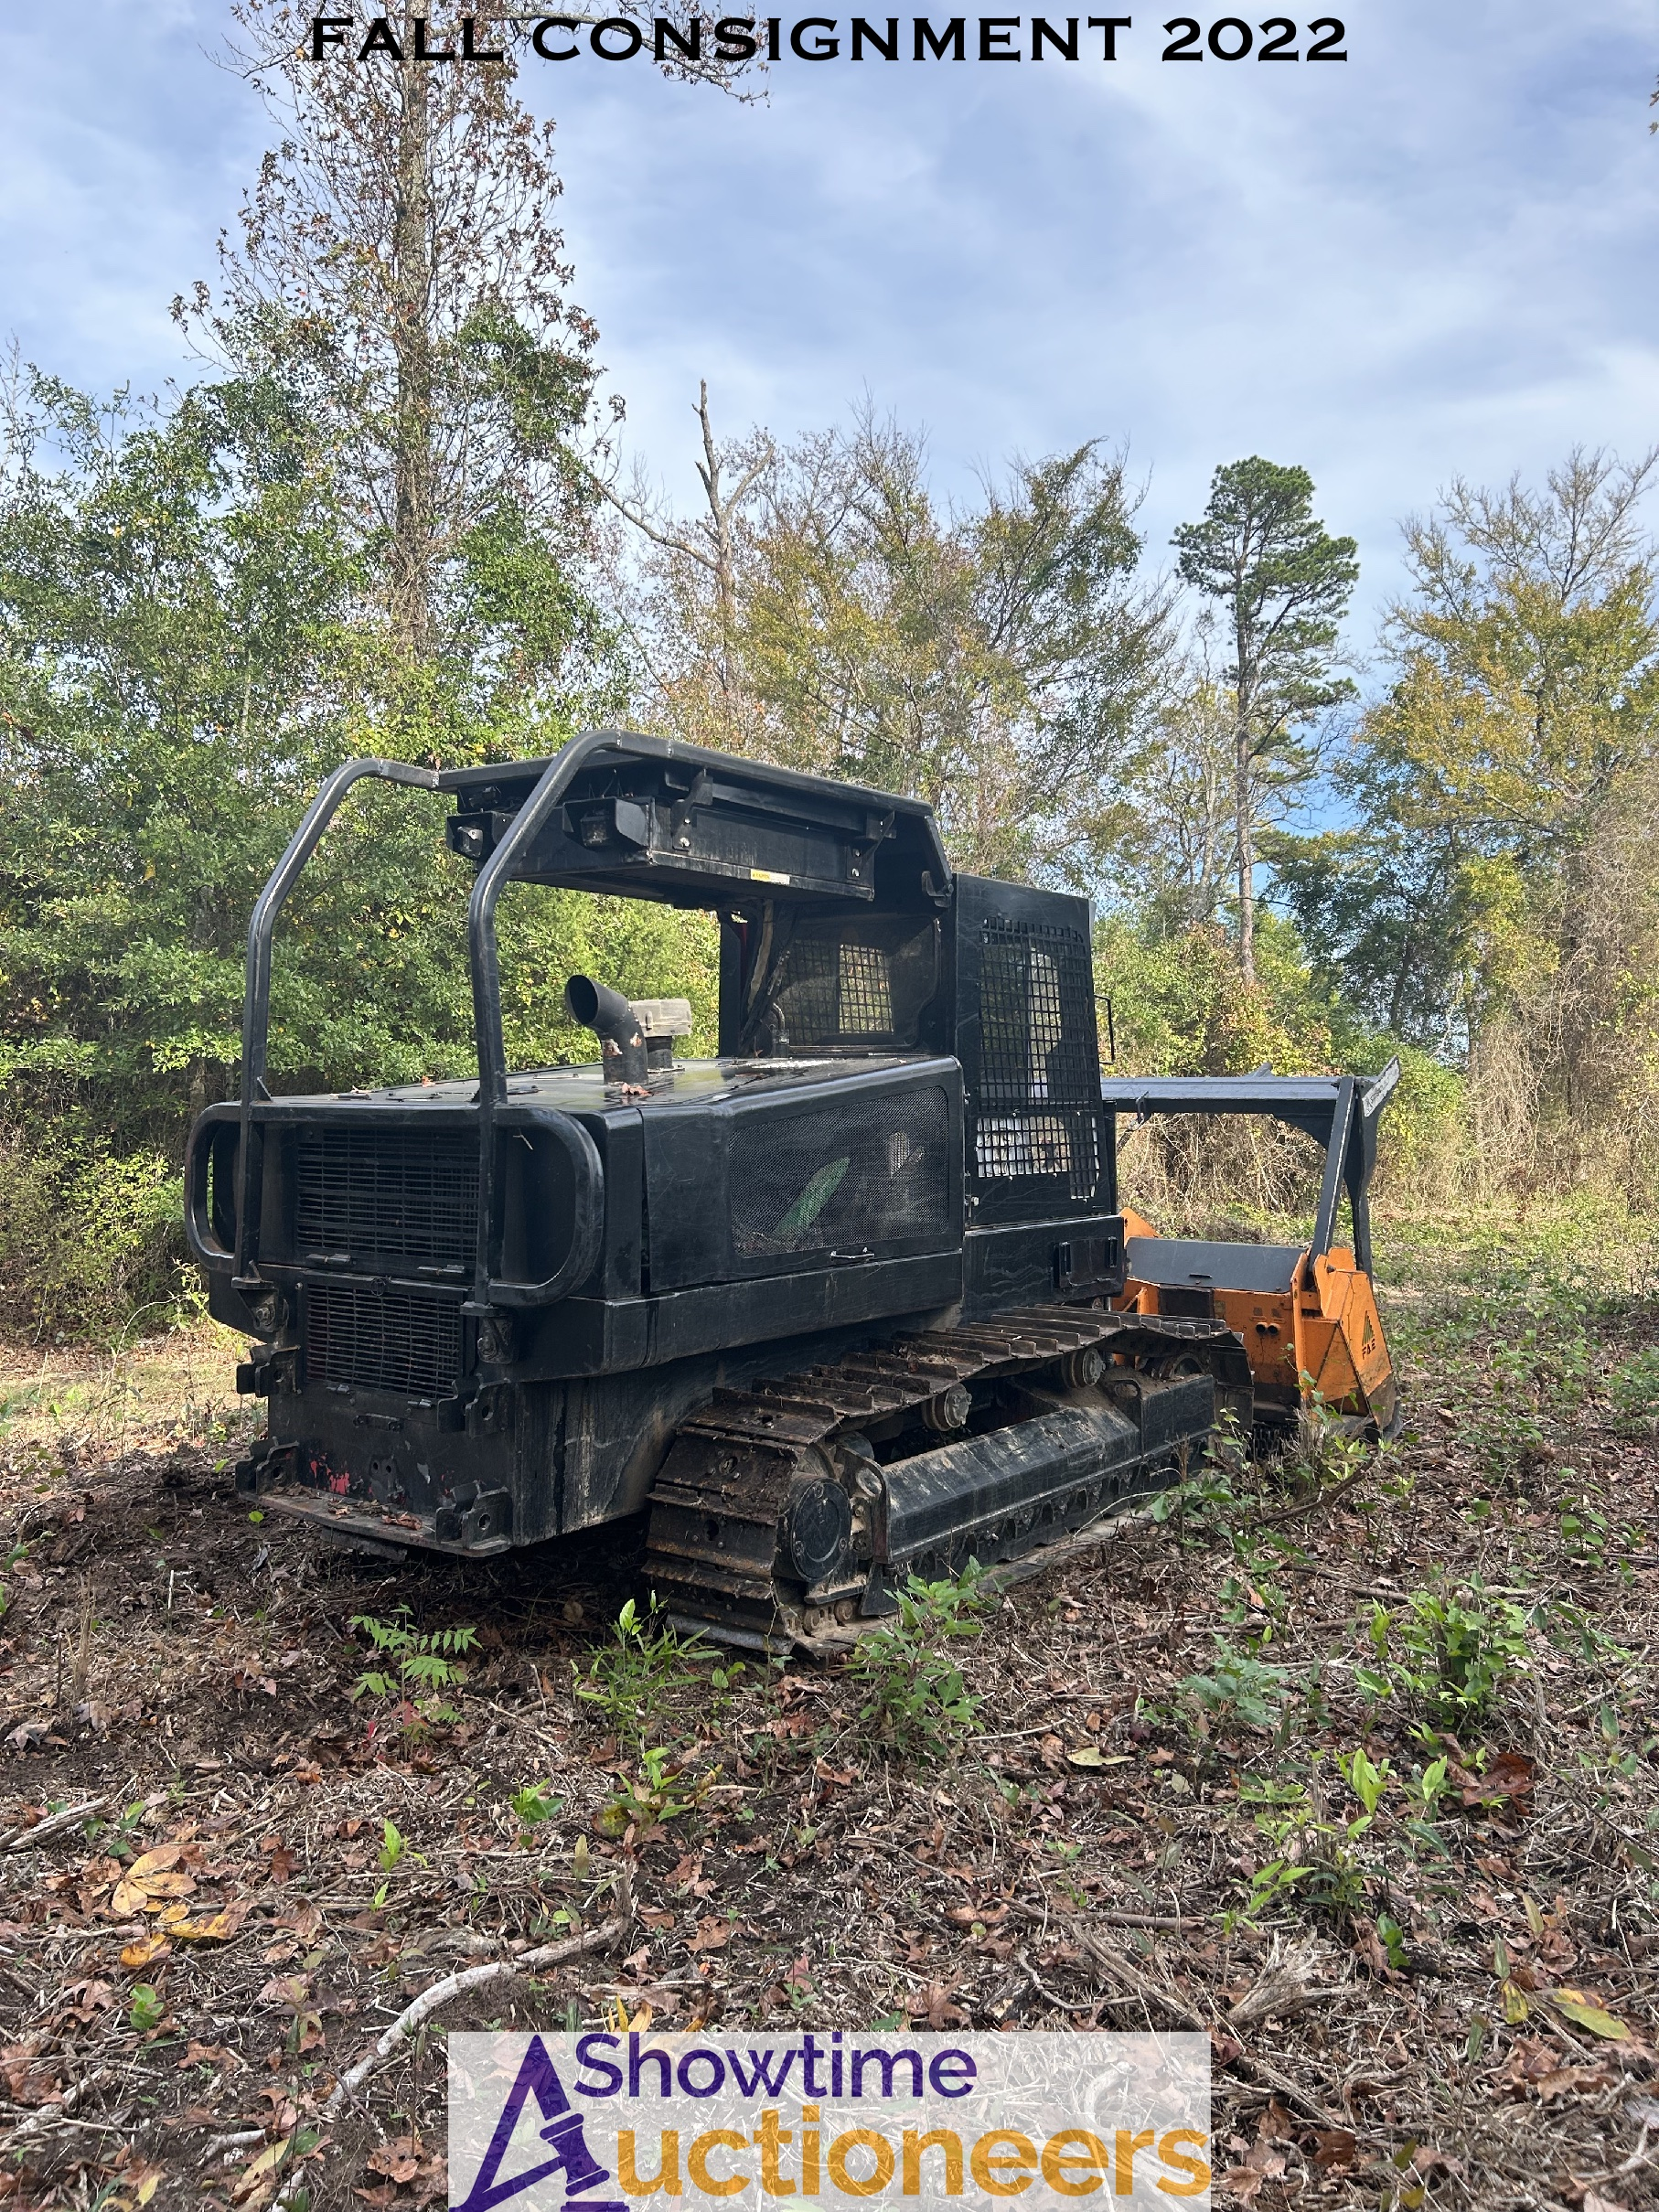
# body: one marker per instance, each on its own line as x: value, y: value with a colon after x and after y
x: 388, y: 510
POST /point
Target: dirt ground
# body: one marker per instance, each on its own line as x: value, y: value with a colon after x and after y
x: 1429, y: 1971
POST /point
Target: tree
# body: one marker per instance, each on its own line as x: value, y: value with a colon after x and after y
x: 1500, y: 886
x: 397, y: 265
x: 830, y: 612
x: 1284, y: 585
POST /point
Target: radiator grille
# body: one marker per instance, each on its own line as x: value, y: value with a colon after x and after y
x: 861, y: 1173
x: 404, y: 1341
x: 408, y: 1193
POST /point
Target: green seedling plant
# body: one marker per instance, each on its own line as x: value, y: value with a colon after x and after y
x: 1449, y: 1653
x: 148, y: 2008
x: 644, y: 1665
x: 418, y: 1666
x: 1208, y: 1496
x: 1369, y: 1783
x: 533, y: 1807
x: 658, y: 1793
x: 115, y: 1838
x: 395, y: 1853
x: 1239, y: 1693
x: 916, y: 1701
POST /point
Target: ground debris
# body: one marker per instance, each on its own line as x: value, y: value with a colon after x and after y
x: 1366, y: 1794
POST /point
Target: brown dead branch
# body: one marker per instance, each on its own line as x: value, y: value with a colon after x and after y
x: 457, y: 1985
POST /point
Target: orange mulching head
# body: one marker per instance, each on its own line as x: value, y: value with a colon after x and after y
x: 1306, y: 1313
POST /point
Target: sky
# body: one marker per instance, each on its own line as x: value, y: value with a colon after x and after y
x: 1433, y: 259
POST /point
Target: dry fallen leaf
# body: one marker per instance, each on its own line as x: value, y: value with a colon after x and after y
x: 261, y: 2171
x: 146, y: 1952
x: 399, y: 2160
x: 218, y: 1929
x: 1091, y: 1755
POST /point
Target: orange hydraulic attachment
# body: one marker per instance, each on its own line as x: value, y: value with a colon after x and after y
x: 1306, y: 1313
x: 1320, y: 1333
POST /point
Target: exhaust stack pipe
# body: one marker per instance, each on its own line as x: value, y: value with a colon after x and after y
x: 622, y: 1046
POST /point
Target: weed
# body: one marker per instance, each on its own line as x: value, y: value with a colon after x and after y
x: 115, y: 1838
x: 533, y: 1805
x: 1460, y: 1650
x: 655, y: 1795
x: 1210, y: 1496
x: 1632, y: 1390
x: 426, y: 1662
x: 395, y: 1849
x: 1317, y: 1857
x: 148, y: 2008
x: 644, y: 1663
x: 1239, y: 1693
x: 1368, y: 1783
x: 917, y: 1702
x: 1393, y: 1938
x: 1456, y: 1651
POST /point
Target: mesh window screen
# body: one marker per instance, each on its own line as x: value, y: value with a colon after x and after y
x: 1039, y: 1095
x: 848, y: 984
x: 862, y: 1172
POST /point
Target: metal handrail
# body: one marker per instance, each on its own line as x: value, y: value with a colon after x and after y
x: 487, y: 983
x: 256, y: 997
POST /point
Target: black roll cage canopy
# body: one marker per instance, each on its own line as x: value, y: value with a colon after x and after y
x: 1339, y: 1112
x: 879, y: 851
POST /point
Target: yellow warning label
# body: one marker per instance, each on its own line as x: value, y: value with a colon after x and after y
x: 767, y: 875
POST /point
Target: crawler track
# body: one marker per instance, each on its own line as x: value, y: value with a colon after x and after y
x: 783, y: 1514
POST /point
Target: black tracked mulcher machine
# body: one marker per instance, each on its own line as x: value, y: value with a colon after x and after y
x: 837, y: 1306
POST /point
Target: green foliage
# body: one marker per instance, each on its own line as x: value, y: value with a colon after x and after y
x: 1367, y: 1782
x: 147, y: 2009
x: 1495, y: 896
x: 187, y: 645
x: 1239, y: 1693
x: 659, y: 1792
x: 916, y: 1703
x: 1449, y: 1653
x: 1632, y: 1390
x: 535, y: 1804
x: 644, y: 1664
x: 421, y: 1664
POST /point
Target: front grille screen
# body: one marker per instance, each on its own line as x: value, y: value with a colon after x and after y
x: 413, y: 1193
x: 404, y: 1341
x: 861, y: 1173
x: 1039, y: 1092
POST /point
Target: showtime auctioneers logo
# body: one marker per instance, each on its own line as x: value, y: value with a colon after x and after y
x: 597, y: 2121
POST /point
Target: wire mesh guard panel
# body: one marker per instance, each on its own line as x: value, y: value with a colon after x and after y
x: 1038, y: 1091
x: 412, y: 1192
x: 837, y: 984
x: 857, y: 1174
x: 389, y: 1340
x: 1010, y: 1145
